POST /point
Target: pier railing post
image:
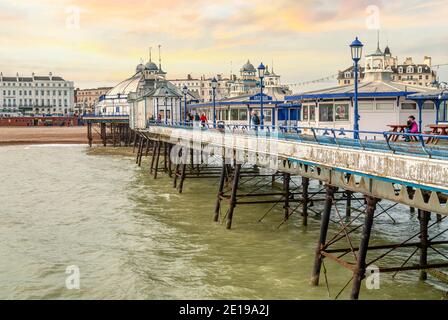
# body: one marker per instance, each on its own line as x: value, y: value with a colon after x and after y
x: 236, y: 178
x: 325, y: 220
x: 360, y: 270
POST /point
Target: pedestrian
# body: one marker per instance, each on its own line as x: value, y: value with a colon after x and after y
x: 255, y: 120
x: 203, y: 119
x: 412, y: 127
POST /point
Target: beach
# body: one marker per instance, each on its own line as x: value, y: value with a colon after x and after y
x: 44, y: 135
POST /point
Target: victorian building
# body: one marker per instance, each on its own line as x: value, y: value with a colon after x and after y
x: 407, y: 72
x: 87, y: 99
x: 36, y: 95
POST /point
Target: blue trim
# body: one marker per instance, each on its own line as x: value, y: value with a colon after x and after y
x: 231, y: 103
x: 406, y: 183
x: 347, y: 95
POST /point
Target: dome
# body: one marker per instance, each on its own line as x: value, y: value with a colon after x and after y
x: 151, y: 66
x: 140, y: 68
x: 248, y: 67
x: 387, y: 50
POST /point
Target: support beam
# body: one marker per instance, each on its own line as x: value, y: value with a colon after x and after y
x: 360, y: 270
x: 305, y: 197
x: 236, y: 178
x: 323, y: 234
x: 222, y: 181
x: 423, y: 218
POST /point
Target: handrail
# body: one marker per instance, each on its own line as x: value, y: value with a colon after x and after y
x: 339, y: 137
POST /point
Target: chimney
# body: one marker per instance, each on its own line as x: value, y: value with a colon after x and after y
x: 408, y: 61
x: 1, y: 76
x: 17, y: 76
x: 427, y: 60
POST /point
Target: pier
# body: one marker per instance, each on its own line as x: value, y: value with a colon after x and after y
x: 368, y: 176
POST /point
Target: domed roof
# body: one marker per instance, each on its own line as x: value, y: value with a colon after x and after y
x: 151, y: 66
x: 387, y: 50
x: 140, y: 68
x: 248, y: 67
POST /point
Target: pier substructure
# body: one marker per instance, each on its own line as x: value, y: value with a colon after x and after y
x: 359, y: 258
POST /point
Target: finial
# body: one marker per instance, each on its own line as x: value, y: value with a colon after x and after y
x: 160, y: 59
x: 150, y: 54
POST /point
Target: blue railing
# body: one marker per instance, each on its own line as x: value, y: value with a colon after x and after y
x: 382, y: 141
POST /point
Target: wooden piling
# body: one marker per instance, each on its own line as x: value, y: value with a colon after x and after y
x: 424, y: 217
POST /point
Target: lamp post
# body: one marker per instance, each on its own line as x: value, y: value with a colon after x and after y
x: 214, y: 86
x: 356, y: 50
x: 441, y: 96
x: 166, y: 106
x: 185, y: 91
x: 261, y: 73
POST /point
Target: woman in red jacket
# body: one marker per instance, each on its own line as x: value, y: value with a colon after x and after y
x: 203, y: 119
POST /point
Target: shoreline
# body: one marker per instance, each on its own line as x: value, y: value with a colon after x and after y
x: 44, y: 135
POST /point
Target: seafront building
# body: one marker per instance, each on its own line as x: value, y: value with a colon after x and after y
x: 87, y: 99
x: 408, y: 72
x: 36, y: 95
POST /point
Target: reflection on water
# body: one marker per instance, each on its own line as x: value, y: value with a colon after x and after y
x: 136, y: 238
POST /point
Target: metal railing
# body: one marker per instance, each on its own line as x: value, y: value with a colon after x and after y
x: 380, y: 141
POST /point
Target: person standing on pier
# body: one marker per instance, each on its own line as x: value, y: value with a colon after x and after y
x: 203, y: 119
x: 255, y: 120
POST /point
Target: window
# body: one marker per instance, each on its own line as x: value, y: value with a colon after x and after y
x: 342, y: 111
x: 385, y: 106
x: 312, y: 113
x: 428, y: 106
x: 410, y: 69
x: 267, y: 115
x: 400, y: 70
x: 233, y: 114
x: 348, y: 74
x: 305, y: 113
x: 242, y: 114
x: 420, y: 69
x: 326, y: 112
x: 408, y: 106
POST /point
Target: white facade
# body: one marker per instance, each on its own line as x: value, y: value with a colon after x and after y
x: 37, y: 95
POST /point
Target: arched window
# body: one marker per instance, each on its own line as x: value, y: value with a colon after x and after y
x: 420, y: 69
x: 400, y: 70
x: 410, y: 69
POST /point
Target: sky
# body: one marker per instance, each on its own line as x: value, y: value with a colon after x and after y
x: 99, y: 43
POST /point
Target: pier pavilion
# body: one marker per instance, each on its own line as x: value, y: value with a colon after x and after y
x: 237, y: 110
x: 382, y: 101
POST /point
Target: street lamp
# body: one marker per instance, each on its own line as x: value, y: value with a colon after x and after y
x: 214, y: 86
x: 441, y: 96
x: 356, y: 50
x: 185, y: 92
x: 261, y: 73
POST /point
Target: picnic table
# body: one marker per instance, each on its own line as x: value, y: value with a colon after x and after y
x: 437, y: 130
x: 400, y: 128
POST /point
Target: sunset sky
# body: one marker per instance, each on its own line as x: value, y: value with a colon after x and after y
x: 306, y: 39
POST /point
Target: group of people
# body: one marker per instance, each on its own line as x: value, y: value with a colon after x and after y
x: 202, y: 119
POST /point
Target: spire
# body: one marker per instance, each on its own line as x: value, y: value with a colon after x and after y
x: 160, y: 59
x: 150, y: 54
x: 378, y: 40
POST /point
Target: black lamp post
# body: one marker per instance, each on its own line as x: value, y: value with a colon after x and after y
x: 261, y: 73
x: 356, y: 50
x: 185, y: 92
x: 214, y: 86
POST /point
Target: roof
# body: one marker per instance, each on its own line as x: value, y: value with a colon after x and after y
x: 365, y: 89
x: 248, y: 67
x: 30, y: 79
x: 126, y: 86
x: 437, y: 94
x: 241, y: 100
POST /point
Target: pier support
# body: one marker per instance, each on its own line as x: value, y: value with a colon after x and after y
x: 305, y: 197
x: 286, y: 182
x: 360, y: 269
x: 424, y: 217
x: 222, y: 181
x: 89, y: 133
x: 330, y: 190
x: 236, y: 178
